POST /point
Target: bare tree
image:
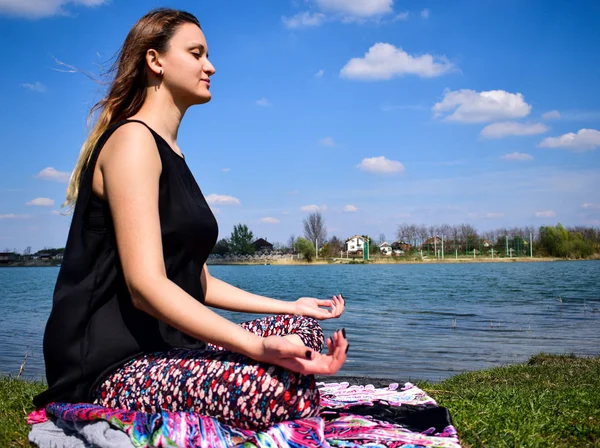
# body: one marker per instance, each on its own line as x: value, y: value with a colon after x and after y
x: 314, y: 228
x: 422, y: 233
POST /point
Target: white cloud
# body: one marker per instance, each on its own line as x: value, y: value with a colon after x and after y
x: 584, y: 140
x: 504, y: 129
x: 589, y: 206
x: 517, y: 156
x: 226, y: 170
x: 494, y: 215
x: 357, y: 8
x: 263, y: 102
x: 50, y: 173
x: 381, y: 165
x: 425, y: 13
x: 384, y: 61
x: 551, y: 115
x: 320, y: 73
x: 304, y: 20
x: 13, y: 216
x: 468, y: 106
x: 546, y: 214
x: 401, y: 16
x: 313, y: 208
x: 42, y: 8
x: 327, y: 141
x: 350, y: 208
x: 37, y: 86
x: 56, y: 212
x: 269, y: 220
x: 221, y: 199
x: 44, y: 202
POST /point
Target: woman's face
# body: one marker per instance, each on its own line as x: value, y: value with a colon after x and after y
x: 187, y: 70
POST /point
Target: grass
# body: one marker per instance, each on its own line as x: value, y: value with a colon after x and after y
x: 550, y: 401
x: 15, y: 404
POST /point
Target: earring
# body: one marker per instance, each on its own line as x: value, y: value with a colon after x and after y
x: 160, y: 74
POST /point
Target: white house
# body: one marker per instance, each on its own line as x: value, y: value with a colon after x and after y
x: 355, y: 244
x: 385, y: 248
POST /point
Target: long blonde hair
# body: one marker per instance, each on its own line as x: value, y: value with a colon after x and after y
x: 127, y: 91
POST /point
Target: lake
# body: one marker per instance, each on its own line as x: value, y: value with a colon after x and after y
x: 404, y: 321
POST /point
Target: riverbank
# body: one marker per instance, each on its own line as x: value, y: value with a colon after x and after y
x: 386, y: 261
x: 548, y: 401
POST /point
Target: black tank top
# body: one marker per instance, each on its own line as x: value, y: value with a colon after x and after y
x: 93, y: 327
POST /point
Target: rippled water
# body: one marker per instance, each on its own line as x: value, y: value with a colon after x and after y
x: 403, y: 321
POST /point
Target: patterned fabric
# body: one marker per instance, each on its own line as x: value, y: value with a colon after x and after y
x: 218, y: 383
x: 186, y: 430
x: 342, y: 395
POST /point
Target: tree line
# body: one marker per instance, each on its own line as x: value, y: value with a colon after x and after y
x: 464, y: 239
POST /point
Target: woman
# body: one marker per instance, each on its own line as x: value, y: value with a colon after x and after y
x: 130, y: 325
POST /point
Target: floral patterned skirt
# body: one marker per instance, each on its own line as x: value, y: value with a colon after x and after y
x: 218, y: 383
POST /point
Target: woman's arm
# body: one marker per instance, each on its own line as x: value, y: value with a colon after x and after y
x: 222, y: 295
x: 131, y: 167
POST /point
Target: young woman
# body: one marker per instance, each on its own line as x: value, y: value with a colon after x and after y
x: 130, y: 325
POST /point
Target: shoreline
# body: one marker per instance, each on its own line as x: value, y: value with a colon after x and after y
x: 382, y: 261
x: 288, y: 262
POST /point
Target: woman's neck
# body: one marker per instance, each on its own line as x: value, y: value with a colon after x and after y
x: 162, y: 114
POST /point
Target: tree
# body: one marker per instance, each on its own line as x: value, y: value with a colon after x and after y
x: 291, y: 242
x: 241, y: 239
x: 334, y: 247
x: 314, y: 228
x: 222, y: 247
x: 306, y: 248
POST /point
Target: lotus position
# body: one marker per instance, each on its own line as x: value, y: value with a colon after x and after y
x: 131, y: 325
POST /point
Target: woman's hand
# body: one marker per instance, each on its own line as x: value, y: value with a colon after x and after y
x: 281, y: 352
x: 310, y: 307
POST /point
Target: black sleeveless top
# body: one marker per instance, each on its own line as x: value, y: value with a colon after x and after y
x: 93, y: 327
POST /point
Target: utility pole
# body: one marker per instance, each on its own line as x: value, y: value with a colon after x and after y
x: 531, y: 244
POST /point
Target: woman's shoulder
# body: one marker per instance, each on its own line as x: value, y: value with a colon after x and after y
x: 130, y: 142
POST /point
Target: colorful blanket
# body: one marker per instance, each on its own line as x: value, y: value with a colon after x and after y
x: 335, y: 427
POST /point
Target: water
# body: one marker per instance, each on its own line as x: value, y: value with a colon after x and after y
x: 427, y: 321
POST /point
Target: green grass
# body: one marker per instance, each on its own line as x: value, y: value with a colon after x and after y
x: 15, y: 404
x: 550, y: 401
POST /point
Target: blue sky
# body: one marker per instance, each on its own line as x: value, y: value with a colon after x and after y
x: 376, y: 112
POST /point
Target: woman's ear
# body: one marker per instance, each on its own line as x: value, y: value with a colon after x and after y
x: 154, y: 62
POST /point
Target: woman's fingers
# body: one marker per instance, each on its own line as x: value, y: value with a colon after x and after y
x: 305, y: 360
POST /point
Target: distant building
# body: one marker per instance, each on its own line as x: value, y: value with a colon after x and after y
x: 400, y: 247
x: 385, y: 248
x: 8, y: 257
x: 355, y: 245
x: 262, y: 245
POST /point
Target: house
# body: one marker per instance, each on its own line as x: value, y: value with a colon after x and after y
x: 486, y: 243
x: 262, y: 245
x: 385, y: 248
x: 7, y: 257
x: 400, y: 247
x: 355, y: 244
